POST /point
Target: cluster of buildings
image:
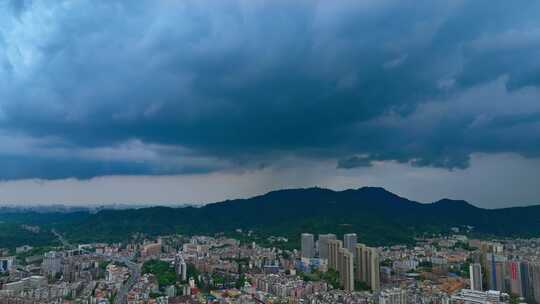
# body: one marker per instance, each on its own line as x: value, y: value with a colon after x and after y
x: 61, y: 276
x: 143, y: 289
x: 508, y: 266
x: 286, y: 286
x: 466, y: 296
x: 353, y: 261
x: 444, y: 269
x: 324, y: 270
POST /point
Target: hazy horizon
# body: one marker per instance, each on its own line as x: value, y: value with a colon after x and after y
x: 104, y: 190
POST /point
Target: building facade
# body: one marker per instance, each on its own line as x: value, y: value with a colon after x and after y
x: 367, y: 266
x: 349, y: 241
x: 308, y: 245
x: 475, y: 272
x: 333, y: 253
x: 323, y: 244
x: 346, y: 269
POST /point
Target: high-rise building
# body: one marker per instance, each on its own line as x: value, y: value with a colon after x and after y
x: 374, y: 280
x: 333, y: 253
x: 346, y: 269
x: 526, y: 281
x: 534, y: 275
x: 361, y: 255
x: 181, y: 268
x: 496, y: 271
x: 183, y: 273
x: 349, y: 241
x: 52, y: 263
x: 513, y: 271
x: 475, y: 271
x: 367, y: 266
x: 323, y: 244
x: 308, y: 245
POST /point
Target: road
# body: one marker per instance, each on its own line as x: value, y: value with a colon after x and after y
x: 135, y: 273
x: 61, y: 239
x: 134, y: 270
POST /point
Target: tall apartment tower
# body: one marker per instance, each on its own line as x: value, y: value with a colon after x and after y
x: 308, y: 245
x: 496, y: 272
x: 333, y: 253
x: 513, y: 277
x: 349, y: 241
x: 323, y: 244
x: 475, y: 271
x: 367, y: 266
x: 374, y: 268
x: 346, y: 269
x: 361, y: 263
x: 52, y: 263
x: 534, y: 269
x: 526, y: 280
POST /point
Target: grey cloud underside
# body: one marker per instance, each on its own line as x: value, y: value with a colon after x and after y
x: 47, y: 168
x: 25, y: 167
x: 247, y: 82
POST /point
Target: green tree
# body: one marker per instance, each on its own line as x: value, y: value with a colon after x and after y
x: 163, y: 271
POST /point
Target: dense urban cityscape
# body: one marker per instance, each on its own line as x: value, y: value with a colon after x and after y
x: 324, y: 269
x: 269, y: 152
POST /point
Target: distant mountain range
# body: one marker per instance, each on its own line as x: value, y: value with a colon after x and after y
x: 65, y: 208
x: 378, y: 216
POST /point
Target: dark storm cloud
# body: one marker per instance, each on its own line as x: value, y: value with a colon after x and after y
x: 246, y: 82
x: 81, y: 165
x: 49, y: 168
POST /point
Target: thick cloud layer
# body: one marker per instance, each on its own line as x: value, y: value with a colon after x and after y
x: 91, y: 88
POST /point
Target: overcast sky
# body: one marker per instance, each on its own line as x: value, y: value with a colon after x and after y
x: 198, y: 101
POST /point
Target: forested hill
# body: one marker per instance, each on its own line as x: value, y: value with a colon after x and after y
x: 377, y: 215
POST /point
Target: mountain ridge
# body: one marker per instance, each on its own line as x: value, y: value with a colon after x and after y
x: 376, y: 214
x: 98, y: 207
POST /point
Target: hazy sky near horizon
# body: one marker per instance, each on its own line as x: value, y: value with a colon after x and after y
x: 198, y: 101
